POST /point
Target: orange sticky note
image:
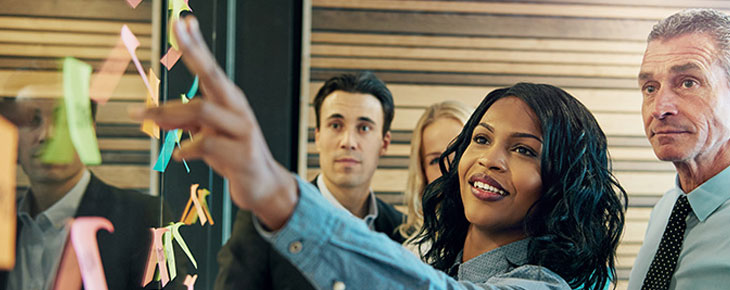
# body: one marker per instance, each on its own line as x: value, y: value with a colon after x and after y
x: 8, y: 159
x: 106, y: 80
x: 156, y: 258
x: 190, y: 281
x: 83, y: 238
x: 170, y: 58
x: 149, y: 126
x: 131, y: 42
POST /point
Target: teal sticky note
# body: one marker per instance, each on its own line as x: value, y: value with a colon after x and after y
x: 193, y: 89
x: 166, y: 152
x: 76, y: 81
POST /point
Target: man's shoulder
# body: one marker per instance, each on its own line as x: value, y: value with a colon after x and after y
x: 102, y: 199
x: 388, y: 220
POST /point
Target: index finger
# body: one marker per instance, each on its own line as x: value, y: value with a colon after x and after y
x: 200, y: 61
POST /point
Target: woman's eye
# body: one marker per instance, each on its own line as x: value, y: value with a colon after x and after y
x: 335, y: 126
x: 434, y: 161
x: 479, y: 139
x: 525, y: 151
x: 365, y: 128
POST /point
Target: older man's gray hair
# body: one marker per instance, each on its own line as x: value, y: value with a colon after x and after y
x: 714, y: 23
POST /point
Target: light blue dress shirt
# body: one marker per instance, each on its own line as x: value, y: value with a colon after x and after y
x: 337, y: 251
x: 704, y: 262
x: 42, y: 239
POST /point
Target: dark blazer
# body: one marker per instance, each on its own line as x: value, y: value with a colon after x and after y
x: 124, y: 252
x: 247, y: 261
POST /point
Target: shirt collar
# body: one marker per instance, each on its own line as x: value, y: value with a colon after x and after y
x: 372, y: 202
x: 64, y: 208
x: 709, y: 196
x: 500, y: 260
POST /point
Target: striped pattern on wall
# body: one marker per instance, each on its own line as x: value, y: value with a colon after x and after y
x: 430, y: 51
x: 32, y: 40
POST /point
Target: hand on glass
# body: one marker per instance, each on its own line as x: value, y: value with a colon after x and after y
x: 227, y: 135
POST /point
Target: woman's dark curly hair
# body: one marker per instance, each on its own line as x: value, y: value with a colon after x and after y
x: 576, y: 223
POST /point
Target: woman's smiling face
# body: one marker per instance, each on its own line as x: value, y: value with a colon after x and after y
x: 499, y: 172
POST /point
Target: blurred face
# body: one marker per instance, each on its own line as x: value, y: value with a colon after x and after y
x: 499, y: 172
x: 350, y: 138
x: 686, y: 103
x: 434, y: 140
x: 31, y: 139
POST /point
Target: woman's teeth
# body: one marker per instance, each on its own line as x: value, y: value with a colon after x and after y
x: 487, y: 187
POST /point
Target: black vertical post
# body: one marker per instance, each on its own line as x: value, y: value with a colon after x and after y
x: 266, y: 61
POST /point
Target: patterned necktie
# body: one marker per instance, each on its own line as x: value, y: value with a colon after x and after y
x: 665, y: 260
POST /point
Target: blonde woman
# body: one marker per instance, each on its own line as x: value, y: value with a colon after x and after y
x: 438, y: 125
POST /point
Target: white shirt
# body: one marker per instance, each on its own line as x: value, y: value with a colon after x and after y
x: 372, y: 203
x: 42, y: 239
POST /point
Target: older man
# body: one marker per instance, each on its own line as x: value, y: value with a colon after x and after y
x: 685, y: 82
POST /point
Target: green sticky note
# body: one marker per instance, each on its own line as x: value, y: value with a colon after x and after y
x: 76, y: 79
x: 169, y: 253
x: 59, y: 149
x: 178, y: 237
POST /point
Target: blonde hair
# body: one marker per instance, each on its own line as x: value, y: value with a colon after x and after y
x: 416, y: 174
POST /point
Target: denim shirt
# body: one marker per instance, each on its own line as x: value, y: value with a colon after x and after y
x: 337, y: 251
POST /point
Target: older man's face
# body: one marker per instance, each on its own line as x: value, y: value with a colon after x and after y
x: 686, y: 104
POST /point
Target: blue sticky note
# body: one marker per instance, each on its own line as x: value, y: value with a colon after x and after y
x: 166, y: 152
x: 193, y: 89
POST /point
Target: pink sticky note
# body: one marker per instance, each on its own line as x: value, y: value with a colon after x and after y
x: 131, y: 42
x: 198, y: 207
x: 83, y: 239
x: 134, y: 3
x: 170, y: 58
x: 190, y: 281
x: 156, y: 255
x: 68, y: 275
x: 106, y: 80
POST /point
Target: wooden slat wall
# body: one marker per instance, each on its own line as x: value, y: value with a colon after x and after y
x: 430, y: 51
x: 32, y: 40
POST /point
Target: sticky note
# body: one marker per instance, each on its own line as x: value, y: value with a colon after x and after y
x: 76, y: 75
x: 131, y: 42
x: 190, y: 281
x: 106, y: 80
x: 59, y: 149
x: 83, y: 238
x: 176, y: 6
x: 134, y: 3
x: 180, y: 241
x: 8, y: 166
x: 173, y: 234
x: 197, y: 200
x: 156, y: 258
x: 202, y: 194
x: 68, y: 275
x: 170, y: 58
x: 169, y: 253
x: 166, y: 152
x: 149, y: 126
x: 193, y: 89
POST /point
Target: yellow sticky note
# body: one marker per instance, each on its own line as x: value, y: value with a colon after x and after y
x: 8, y: 158
x: 76, y: 77
x: 176, y: 6
x: 149, y: 126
